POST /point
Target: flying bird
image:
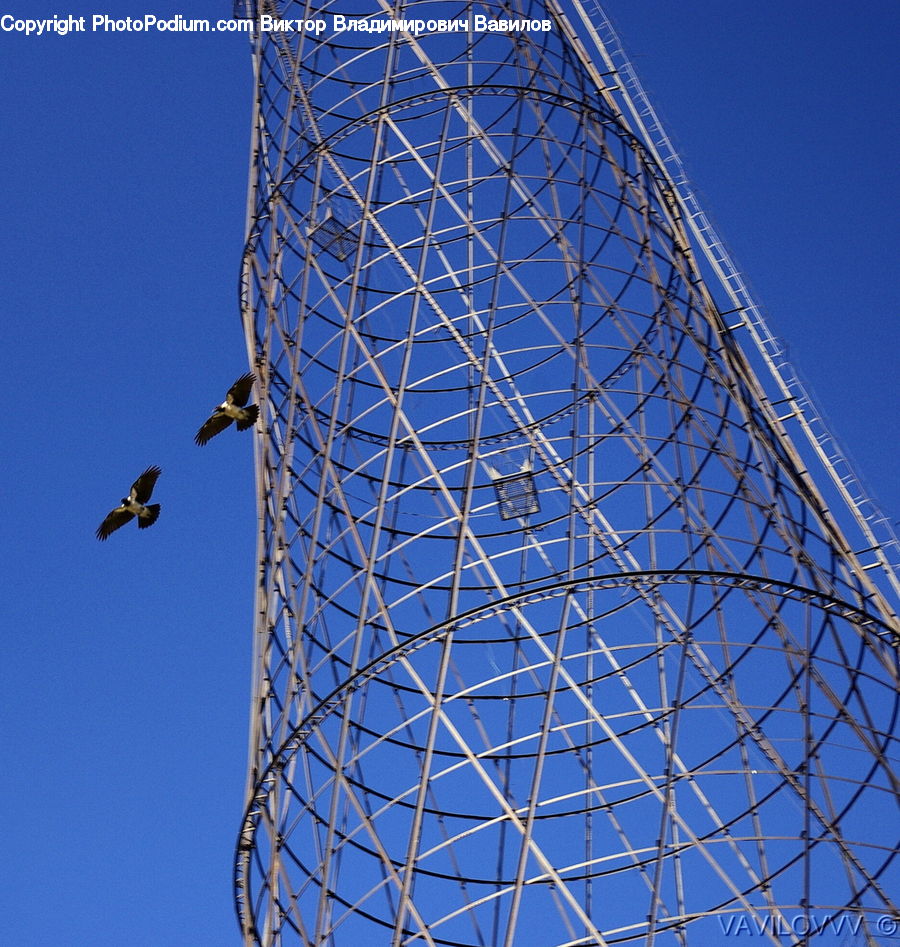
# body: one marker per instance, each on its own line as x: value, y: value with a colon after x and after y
x: 133, y: 505
x: 231, y: 409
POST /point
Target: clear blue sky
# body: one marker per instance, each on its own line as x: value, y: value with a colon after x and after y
x: 126, y: 669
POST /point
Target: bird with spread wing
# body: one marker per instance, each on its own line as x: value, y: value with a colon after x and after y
x: 233, y: 408
x: 135, y: 504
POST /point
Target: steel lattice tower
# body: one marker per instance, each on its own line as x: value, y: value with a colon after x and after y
x: 558, y: 642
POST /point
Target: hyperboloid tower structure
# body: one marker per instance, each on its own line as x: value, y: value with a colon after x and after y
x: 559, y: 641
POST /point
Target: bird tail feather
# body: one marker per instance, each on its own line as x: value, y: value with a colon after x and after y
x: 251, y: 413
x: 151, y: 518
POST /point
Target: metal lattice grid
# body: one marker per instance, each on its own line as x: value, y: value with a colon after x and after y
x: 634, y: 685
